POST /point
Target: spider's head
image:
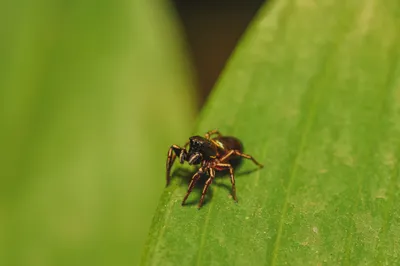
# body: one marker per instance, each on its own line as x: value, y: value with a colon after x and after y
x: 193, y: 156
x: 199, y: 149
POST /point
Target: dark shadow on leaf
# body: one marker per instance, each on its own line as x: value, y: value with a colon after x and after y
x: 225, y: 174
x: 185, y: 176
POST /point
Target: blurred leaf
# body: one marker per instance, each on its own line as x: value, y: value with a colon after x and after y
x: 313, y: 91
x: 91, y: 92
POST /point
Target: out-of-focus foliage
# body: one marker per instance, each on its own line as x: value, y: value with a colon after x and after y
x: 314, y: 93
x: 92, y: 93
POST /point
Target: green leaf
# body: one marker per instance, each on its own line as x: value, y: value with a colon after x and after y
x: 313, y: 91
x: 90, y: 92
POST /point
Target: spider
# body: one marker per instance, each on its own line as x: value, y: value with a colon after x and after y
x: 212, y: 153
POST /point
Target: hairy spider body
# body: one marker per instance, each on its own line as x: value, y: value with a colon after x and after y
x: 212, y: 154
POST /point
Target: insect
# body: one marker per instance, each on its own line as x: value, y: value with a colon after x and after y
x: 213, y: 154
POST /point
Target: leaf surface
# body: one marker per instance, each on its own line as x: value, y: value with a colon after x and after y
x: 313, y: 91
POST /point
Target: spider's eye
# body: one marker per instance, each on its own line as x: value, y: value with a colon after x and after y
x: 193, y: 144
x: 195, y: 158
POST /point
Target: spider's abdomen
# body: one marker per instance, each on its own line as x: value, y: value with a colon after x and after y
x: 227, y: 143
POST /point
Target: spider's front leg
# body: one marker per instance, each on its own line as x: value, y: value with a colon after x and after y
x: 208, y: 183
x: 173, y: 152
x: 195, y: 177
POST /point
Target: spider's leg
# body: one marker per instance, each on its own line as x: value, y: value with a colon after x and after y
x: 212, y: 132
x: 238, y: 153
x: 172, y: 153
x: 208, y: 183
x: 186, y: 144
x: 228, y: 166
x: 226, y: 156
x: 195, y: 177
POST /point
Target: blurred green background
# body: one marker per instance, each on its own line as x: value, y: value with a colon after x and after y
x: 92, y: 95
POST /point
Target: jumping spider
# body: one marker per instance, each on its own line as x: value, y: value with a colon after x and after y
x: 212, y: 153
